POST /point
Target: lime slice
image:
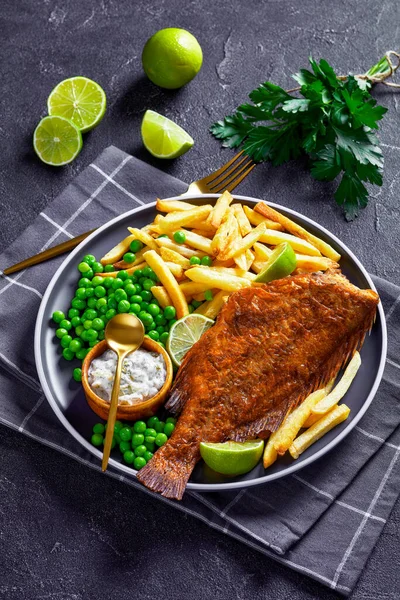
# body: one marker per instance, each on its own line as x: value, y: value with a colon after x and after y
x: 232, y: 458
x: 162, y: 137
x: 57, y: 141
x: 80, y: 100
x: 184, y: 333
x: 280, y: 264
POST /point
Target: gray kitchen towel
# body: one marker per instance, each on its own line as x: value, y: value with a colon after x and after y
x: 323, y: 521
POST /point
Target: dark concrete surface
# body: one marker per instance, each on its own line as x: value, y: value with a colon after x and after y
x: 66, y: 533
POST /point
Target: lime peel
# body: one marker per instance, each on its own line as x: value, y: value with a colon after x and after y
x: 281, y: 263
x: 184, y: 334
x: 57, y: 141
x: 162, y: 137
x: 232, y: 458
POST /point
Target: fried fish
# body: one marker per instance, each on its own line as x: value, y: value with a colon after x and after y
x: 269, y: 349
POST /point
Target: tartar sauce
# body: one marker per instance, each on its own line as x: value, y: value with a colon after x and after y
x: 143, y: 375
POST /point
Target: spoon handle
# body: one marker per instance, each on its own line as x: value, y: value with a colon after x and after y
x: 112, y: 413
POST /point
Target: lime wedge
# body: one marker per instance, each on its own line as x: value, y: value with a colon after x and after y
x: 57, y: 141
x: 162, y: 137
x: 184, y: 333
x: 232, y: 458
x: 80, y: 100
x: 280, y: 264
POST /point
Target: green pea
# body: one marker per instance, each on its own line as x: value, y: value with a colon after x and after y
x: 84, y: 282
x: 89, y: 259
x: 110, y: 313
x: 120, y: 294
x: 99, y: 428
x: 125, y: 433
x: 107, y: 282
x: 139, y: 463
x: 138, y: 273
x: 92, y: 343
x: 160, y: 319
x: 154, y: 335
x: 123, y: 306
x: 60, y: 332
x: 196, y: 303
x: 191, y: 308
x: 129, y: 257
x: 150, y: 446
x: 79, y: 329
x: 152, y: 421
x: 89, y: 291
x: 154, y: 310
x: 169, y: 312
x: 160, y: 330
x: 164, y: 337
x: 82, y: 353
x: 148, y: 284
x: 97, y: 267
x: 79, y: 304
x: 124, y: 447
x: 117, y: 426
x: 77, y: 374
x: 206, y: 261
x: 100, y: 291
x: 65, y: 341
x: 73, y: 312
x: 83, y: 267
x: 171, y: 323
x: 129, y: 457
x: 161, y: 439
x: 112, y: 303
x: 123, y: 275
x: 179, y: 237
x: 137, y: 439
x: 150, y: 432
x: 140, y: 450
x: 146, y: 295
x: 109, y: 269
x: 58, y: 316
x: 168, y: 429
x: 208, y: 295
x: 136, y: 298
x: 68, y: 354
x: 148, y: 272
x: 118, y: 282
x: 90, y: 314
x: 101, y: 335
x: 147, y: 456
x: 92, y: 302
x: 135, y: 308
x: 101, y: 302
x: 75, y: 345
x: 159, y: 427
x: 130, y: 289
x: 81, y: 293
x: 171, y: 420
x: 92, y: 335
x: 135, y: 246
x: 139, y: 427
x: 75, y: 321
x: 87, y: 324
x: 65, y: 324
x: 97, y: 439
x: 194, y: 260
x: 98, y: 324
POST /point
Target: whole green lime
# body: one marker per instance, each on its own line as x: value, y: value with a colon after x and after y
x: 172, y: 57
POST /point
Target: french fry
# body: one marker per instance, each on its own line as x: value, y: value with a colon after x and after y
x: 203, y: 225
x: 314, y: 263
x: 314, y: 418
x: 159, y: 292
x: 249, y: 258
x: 191, y: 288
x: 236, y: 271
x: 341, y: 388
x: 242, y: 219
x: 117, y: 252
x: 250, y: 239
x: 130, y: 271
x: 320, y: 428
x: 175, y: 269
x: 262, y: 252
x: 164, y: 274
x: 184, y: 218
x: 270, y: 454
x: 224, y: 263
x: 139, y: 258
x: 144, y: 237
x: 187, y: 252
x: 256, y: 219
x: 295, y: 421
x: 169, y: 206
x: 216, y: 279
x: 211, y: 308
x: 171, y: 256
x: 226, y: 237
x: 218, y: 212
x: 241, y: 261
x: 274, y: 238
x: 198, y: 241
x: 204, y: 233
x: 297, y: 230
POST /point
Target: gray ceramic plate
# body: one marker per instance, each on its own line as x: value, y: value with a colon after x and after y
x: 67, y: 399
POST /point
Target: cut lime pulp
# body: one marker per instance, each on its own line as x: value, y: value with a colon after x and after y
x: 281, y: 263
x: 184, y: 333
x: 80, y: 100
x: 232, y: 458
x: 57, y: 141
x: 162, y: 137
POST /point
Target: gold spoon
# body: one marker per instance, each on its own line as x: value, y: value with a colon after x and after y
x: 124, y: 334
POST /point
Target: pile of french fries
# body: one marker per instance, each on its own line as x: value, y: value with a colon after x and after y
x: 317, y: 415
x: 238, y: 239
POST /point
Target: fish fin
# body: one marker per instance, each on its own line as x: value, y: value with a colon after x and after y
x: 176, y: 401
x: 164, y: 475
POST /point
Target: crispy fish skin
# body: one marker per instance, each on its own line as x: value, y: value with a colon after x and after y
x: 269, y: 349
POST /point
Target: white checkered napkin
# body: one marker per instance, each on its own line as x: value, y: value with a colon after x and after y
x: 324, y: 521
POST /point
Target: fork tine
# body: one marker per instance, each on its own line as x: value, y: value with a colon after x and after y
x: 236, y: 182
x: 215, y: 179
x: 225, y: 183
x: 222, y: 169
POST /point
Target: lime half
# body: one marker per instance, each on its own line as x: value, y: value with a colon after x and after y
x: 57, y: 141
x: 280, y: 264
x: 162, y: 137
x: 80, y: 100
x: 232, y: 458
x: 184, y: 333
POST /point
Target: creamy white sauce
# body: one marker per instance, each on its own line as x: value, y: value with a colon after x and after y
x: 143, y: 375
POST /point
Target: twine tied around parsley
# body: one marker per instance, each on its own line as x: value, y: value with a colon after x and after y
x: 333, y: 123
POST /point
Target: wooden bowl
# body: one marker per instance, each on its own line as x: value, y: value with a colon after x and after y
x: 127, y: 412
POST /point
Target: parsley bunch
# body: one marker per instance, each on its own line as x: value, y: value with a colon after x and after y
x: 333, y: 123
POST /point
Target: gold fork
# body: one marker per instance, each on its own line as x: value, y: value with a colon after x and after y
x: 226, y: 178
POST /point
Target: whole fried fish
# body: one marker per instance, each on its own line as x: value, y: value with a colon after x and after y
x: 269, y: 349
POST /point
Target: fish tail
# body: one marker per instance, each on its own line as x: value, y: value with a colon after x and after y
x: 165, y: 475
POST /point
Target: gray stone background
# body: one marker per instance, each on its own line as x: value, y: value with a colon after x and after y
x: 67, y: 533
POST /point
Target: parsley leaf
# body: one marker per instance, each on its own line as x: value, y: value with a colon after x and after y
x: 332, y: 122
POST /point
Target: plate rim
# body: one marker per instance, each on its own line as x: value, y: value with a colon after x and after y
x: 206, y: 487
